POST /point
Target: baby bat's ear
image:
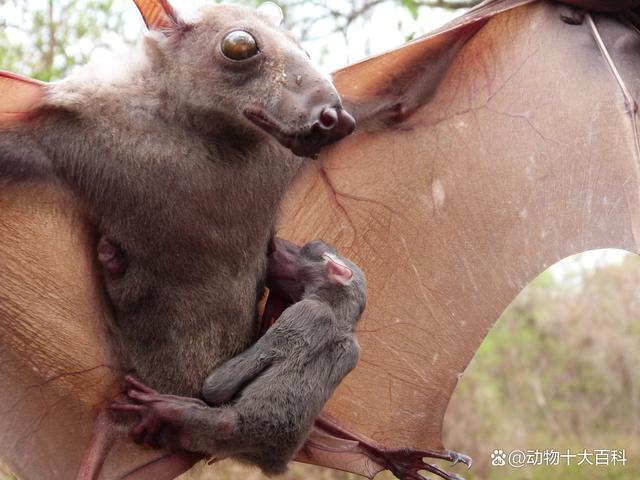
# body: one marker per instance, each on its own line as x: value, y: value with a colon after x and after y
x: 338, y: 271
x: 20, y: 97
x: 158, y: 14
x: 271, y: 12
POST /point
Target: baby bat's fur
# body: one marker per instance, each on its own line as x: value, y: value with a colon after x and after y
x: 171, y: 170
x: 279, y: 385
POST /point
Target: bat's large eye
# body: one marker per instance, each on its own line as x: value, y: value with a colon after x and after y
x: 239, y: 45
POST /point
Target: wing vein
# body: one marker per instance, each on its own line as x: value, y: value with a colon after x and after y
x: 630, y: 104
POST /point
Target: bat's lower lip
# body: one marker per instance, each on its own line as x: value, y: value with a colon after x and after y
x: 305, y: 142
x: 300, y: 142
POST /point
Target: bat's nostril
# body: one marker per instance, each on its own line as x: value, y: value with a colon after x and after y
x: 328, y: 118
x: 346, y: 123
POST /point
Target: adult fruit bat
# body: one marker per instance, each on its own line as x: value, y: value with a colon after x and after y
x: 487, y: 150
x: 180, y: 162
x: 262, y: 403
x: 175, y: 159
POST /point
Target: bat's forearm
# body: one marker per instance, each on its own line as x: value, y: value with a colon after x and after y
x: 226, y: 381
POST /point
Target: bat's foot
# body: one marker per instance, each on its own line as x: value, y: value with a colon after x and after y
x: 404, y: 463
x: 157, y: 412
x: 407, y: 463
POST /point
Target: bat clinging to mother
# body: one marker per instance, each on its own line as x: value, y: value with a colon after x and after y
x: 263, y: 402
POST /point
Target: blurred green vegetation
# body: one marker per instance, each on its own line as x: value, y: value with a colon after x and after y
x: 560, y: 370
x: 45, y: 39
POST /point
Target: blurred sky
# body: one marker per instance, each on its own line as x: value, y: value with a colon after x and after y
x: 387, y: 27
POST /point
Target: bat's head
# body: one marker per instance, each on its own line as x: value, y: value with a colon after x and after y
x: 334, y: 277
x: 236, y: 67
x: 316, y: 267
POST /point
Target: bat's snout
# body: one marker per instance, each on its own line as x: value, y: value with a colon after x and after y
x: 336, y: 120
x: 308, y: 115
x: 328, y: 125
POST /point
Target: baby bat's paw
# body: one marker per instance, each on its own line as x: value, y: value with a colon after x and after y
x: 157, y: 411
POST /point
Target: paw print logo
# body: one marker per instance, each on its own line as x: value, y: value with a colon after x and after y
x: 498, y: 458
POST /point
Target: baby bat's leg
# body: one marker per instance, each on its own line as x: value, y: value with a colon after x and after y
x: 197, y: 427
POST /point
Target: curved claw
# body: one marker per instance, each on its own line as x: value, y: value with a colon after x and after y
x: 412, y: 474
x: 456, y: 457
x: 406, y: 463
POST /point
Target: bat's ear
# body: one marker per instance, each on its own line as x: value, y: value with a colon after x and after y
x: 158, y: 14
x: 338, y: 271
x: 271, y: 12
x: 20, y: 97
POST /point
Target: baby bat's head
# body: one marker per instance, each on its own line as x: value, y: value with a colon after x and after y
x: 316, y: 268
x: 236, y: 67
x: 336, y: 278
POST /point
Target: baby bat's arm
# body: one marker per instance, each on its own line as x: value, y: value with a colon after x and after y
x: 347, y: 356
x: 227, y: 380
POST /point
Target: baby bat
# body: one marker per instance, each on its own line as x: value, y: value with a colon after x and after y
x: 181, y: 159
x: 269, y: 395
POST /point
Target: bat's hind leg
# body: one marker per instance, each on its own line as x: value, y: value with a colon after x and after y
x: 404, y: 463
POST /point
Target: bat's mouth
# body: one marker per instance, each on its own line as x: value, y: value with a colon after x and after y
x: 331, y: 125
